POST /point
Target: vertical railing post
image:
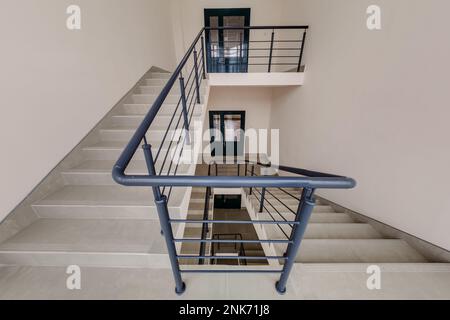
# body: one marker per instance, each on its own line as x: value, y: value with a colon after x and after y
x: 271, y: 50
x: 253, y: 173
x: 205, y: 227
x: 208, y: 191
x: 203, y: 57
x: 301, y: 51
x: 184, y: 109
x: 197, y: 85
x: 240, y: 52
x: 304, y: 212
x: 261, y: 204
x: 163, y: 214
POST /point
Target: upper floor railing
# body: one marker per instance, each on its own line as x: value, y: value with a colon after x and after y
x: 255, y: 49
x: 163, y: 166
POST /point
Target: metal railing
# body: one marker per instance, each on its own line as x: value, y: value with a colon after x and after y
x: 163, y: 180
x: 237, y: 248
x: 255, y: 50
x: 205, y: 226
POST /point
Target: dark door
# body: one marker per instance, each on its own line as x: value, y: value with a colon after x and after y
x: 227, y: 201
x: 227, y: 50
x: 227, y: 133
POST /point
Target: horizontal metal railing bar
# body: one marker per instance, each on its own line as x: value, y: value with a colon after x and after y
x: 256, y: 57
x: 232, y: 182
x: 289, y: 194
x: 257, y: 28
x: 276, y: 198
x: 189, y: 257
x: 267, y: 200
x: 259, y: 64
x: 229, y: 271
x: 257, y: 41
x: 256, y: 49
x: 270, y: 214
x: 299, y: 171
x: 233, y: 221
x: 229, y: 241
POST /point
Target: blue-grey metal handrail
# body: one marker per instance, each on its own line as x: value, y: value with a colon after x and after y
x: 309, y: 181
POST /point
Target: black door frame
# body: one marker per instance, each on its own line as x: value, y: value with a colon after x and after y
x: 220, y: 13
x: 222, y: 130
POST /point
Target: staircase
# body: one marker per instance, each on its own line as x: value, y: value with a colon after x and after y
x: 331, y: 237
x: 91, y: 220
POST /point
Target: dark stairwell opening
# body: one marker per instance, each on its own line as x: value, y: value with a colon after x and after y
x: 228, y: 207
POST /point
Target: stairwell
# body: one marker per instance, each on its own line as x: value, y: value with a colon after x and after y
x: 333, y: 237
x: 113, y: 232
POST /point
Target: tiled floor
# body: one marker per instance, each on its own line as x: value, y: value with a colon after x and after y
x: 330, y: 281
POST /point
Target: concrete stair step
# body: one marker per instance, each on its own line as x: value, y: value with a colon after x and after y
x: 324, y: 217
x: 286, y: 200
x: 193, y: 206
x: 161, y: 122
x: 150, y: 98
x: 254, y: 252
x: 105, y: 202
x: 355, y: 251
x: 271, y: 203
x: 154, y: 82
x: 111, y: 150
x: 316, y: 217
x: 328, y: 231
x: 124, y: 133
x: 98, y: 172
x: 144, y: 89
x: 101, y: 242
x: 198, y: 197
x: 159, y: 75
x: 166, y: 109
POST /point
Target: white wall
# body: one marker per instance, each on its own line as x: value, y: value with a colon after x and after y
x: 256, y: 102
x: 57, y: 84
x: 375, y: 106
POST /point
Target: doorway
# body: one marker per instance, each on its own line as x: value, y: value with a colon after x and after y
x: 227, y: 133
x: 227, y: 50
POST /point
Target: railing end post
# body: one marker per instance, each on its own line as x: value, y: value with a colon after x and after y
x: 202, y: 39
x: 180, y: 291
x: 197, y: 81
x: 280, y: 289
x: 304, y: 212
x: 301, y: 51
